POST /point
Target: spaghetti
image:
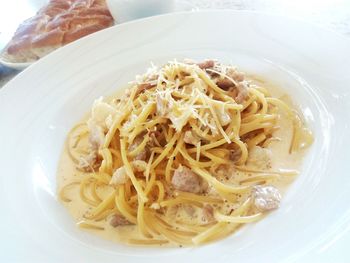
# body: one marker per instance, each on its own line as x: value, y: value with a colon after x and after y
x: 183, y: 157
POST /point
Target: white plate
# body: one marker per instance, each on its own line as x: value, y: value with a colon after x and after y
x: 41, y: 104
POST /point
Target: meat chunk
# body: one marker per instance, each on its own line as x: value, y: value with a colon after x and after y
x: 259, y: 157
x: 97, y: 123
x: 235, y: 155
x: 89, y: 163
x: 155, y: 206
x: 235, y: 75
x: 96, y: 136
x: 240, y: 89
x: 206, y: 64
x: 242, y: 93
x: 173, y: 110
x: 224, y: 171
x: 266, y: 198
x: 189, y: 210
x: 231, y: 80
x: 190, y: 138
x: 144, y: 86
x: 118, y: 220
x: 100, y: 112
x: 208, y: 213
x: 186, y: 180
x: 225, y: 83
x: 119, y: 176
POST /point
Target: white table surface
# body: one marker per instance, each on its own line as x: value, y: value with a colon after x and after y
x: 331, y: 14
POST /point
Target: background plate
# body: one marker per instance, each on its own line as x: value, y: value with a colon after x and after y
x: 41, y: 104
x: 15, y: 65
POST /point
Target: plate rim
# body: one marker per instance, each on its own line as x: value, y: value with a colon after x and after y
x: 92, y: 36
x: 25, y: 65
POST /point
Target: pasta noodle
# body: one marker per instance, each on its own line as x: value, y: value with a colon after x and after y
x: 182, y: 158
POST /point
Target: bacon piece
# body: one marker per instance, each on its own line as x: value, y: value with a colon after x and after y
x: 206, y: 64
x: 186, y: 180
x: 266, y: 197
x: 119, y: 220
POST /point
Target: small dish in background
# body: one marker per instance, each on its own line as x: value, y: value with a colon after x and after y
x: 14, y: 65
x: 126, y: 10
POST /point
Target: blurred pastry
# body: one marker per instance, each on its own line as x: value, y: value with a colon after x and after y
x: 56, y: 24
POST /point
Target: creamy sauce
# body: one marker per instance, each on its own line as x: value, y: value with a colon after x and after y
x: 67, y: 173
x: 281, y: 159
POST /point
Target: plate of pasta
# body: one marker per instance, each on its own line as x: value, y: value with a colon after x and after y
x: 226, y: 146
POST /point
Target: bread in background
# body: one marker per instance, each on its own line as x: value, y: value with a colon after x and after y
x: 54, y: 25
